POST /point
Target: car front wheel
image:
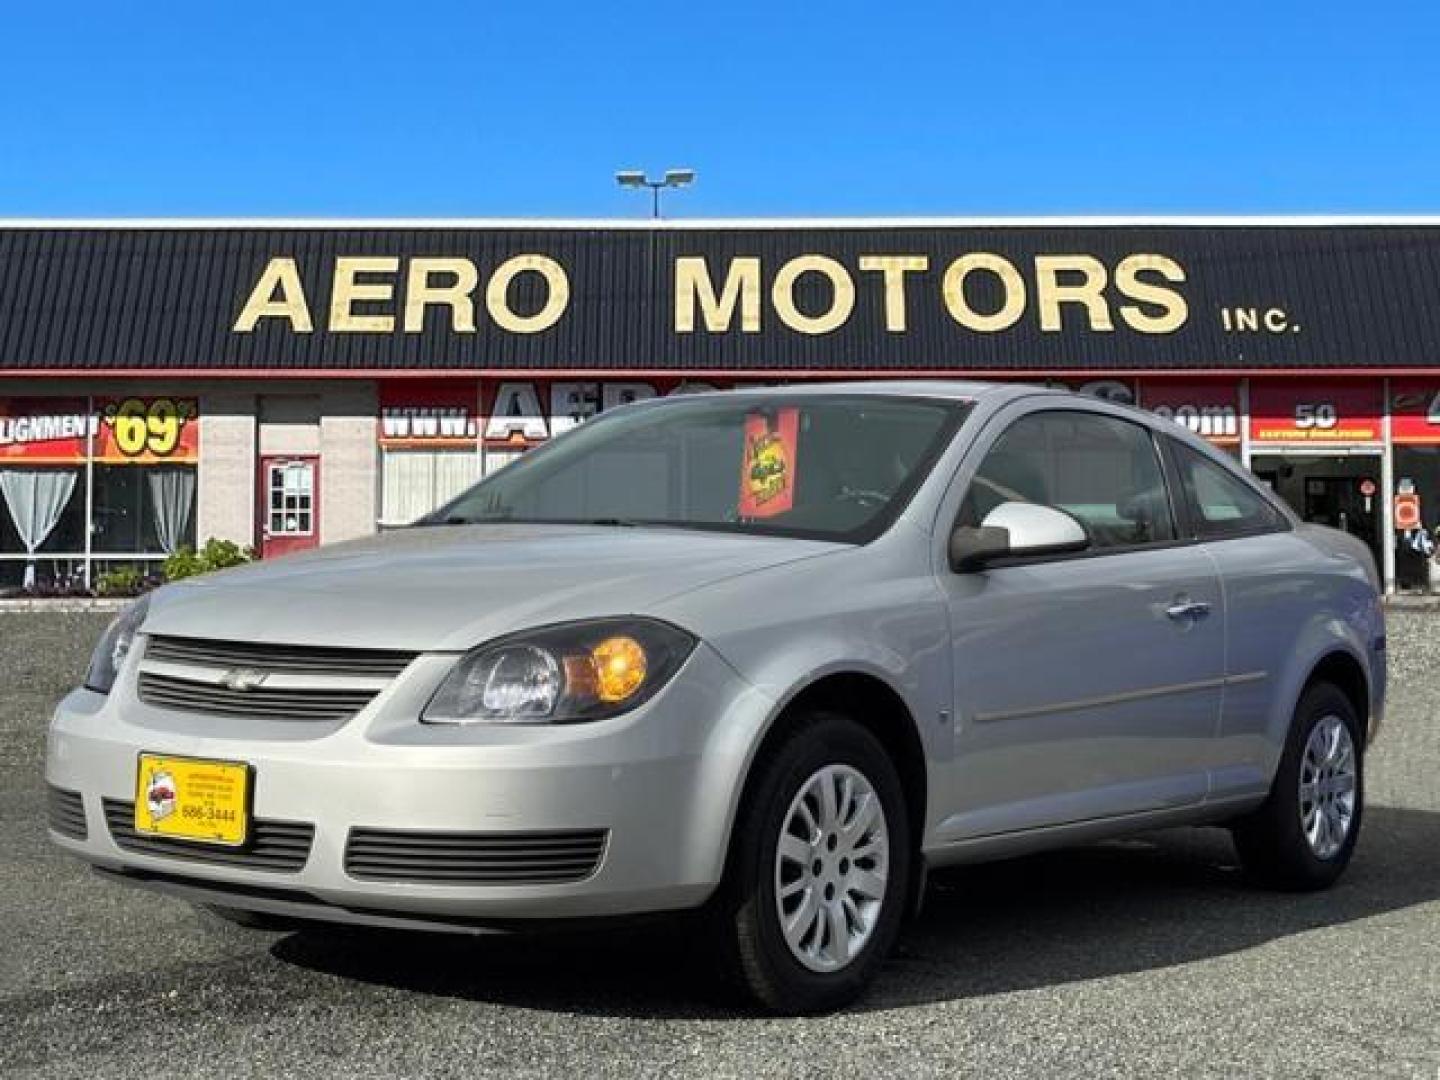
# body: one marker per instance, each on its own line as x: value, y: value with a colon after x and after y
x: 1304, y: 834
x: 820, y: 864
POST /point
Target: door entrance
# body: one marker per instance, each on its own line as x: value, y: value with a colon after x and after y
x: 1341, y: 491
x: 289, y: 511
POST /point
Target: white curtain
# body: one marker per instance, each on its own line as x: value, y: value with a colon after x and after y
x: 172, y: 495
x: 36, y: 498
x: 414, y: 482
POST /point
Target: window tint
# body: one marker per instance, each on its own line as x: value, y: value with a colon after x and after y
x: 833, y: 467
x: 1221, y: 504
x: 1104, y: 471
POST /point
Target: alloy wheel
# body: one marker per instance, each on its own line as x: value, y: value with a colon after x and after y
x: 831, y: 867
x: 1327, y: 787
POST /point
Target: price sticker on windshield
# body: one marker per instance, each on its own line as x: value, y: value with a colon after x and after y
x: 767, y: 469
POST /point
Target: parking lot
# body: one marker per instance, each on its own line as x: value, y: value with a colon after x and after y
x: 1142, y: 958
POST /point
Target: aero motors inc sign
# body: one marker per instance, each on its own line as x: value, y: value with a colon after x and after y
x: 745, y: 299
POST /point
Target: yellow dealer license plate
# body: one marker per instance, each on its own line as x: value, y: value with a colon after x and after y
x: 191, y: 799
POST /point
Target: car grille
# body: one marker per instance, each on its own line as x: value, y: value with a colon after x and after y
x: 363, y: 663
x: 67, y: 813
x: 261, y: 681
x: 281, y: 846
x: 263, y: 703
x: 459, y: 858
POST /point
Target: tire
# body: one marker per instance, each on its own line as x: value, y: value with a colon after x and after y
x: 251, y: 920
x: 1276, y: 848
x: 861, y: 847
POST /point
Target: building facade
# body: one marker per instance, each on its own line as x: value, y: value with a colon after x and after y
x: 287, y: 384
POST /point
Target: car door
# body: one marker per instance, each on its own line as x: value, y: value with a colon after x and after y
x: 1270, y: 593
x: 1089, y: 685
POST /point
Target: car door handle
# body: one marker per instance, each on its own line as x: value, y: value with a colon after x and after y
x: 1188, y: 609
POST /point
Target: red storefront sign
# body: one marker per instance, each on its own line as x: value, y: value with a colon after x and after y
x: 120, y: 431
x: 1306, y: 411
x: 421, y: 414
x: 45, y: 431
x: 1415, y: 411
x: 142, y: 431
x: 1208, y: 407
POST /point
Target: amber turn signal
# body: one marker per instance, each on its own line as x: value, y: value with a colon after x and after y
x: 620, y: 668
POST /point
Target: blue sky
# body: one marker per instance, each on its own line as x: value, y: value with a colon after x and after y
x: 357, y: 108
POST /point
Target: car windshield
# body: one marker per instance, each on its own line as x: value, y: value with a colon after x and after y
x: 833, y: 467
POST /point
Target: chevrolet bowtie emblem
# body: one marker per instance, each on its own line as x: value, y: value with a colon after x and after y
x: 243, y: 679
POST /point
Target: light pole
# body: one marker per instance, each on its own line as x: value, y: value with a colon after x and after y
x: 673, y: 178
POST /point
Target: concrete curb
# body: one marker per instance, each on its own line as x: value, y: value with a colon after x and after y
x: 64, y: 605
x: 1413, y: 603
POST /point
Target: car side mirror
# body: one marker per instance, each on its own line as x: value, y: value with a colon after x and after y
x: 1015, y: 530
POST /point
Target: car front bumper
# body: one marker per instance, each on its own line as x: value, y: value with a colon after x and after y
x: 661, y: 783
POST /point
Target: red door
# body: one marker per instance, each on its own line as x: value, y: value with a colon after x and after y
x: 289, y: 511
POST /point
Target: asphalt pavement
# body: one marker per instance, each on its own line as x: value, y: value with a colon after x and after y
x: 1144, y: 958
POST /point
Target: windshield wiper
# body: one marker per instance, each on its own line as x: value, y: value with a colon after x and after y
x: 488, y: 519
x: 461, y: 519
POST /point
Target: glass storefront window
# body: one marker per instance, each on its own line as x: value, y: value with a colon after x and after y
x: 44, y: 512
x: 1329, y: 489
x: 1416, y: 569
x: 128, y: 463
x: 143, y: 509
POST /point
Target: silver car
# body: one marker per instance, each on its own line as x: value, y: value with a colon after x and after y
x: 765, y: 656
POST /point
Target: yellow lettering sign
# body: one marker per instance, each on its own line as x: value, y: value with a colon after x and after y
x: 1173, y: 310
x: 1088, y: 292
x: 693, y: 286
x: 895, y: 267
x: 842, y: 294
x: 280, y: 276
x: 347, y: 292
x: 422, y: 291
x: 958, y: 304
x: 497, y: 295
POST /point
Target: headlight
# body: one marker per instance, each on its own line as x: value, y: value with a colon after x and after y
x: 561, y: 674
x: 114, y: 644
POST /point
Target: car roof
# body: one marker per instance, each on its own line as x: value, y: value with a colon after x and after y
x: 952, y: 389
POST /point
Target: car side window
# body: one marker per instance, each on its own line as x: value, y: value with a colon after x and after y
x: 1103, y: 470
x: 1220, y: 504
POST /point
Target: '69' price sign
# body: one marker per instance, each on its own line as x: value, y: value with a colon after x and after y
x: 140, y: 430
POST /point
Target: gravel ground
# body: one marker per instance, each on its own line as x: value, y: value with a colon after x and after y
x: 1142, y: 958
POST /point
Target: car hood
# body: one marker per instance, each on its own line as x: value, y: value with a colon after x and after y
x: 452, y: 587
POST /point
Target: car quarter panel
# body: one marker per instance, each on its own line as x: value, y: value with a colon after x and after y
x: 1290, y: 603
